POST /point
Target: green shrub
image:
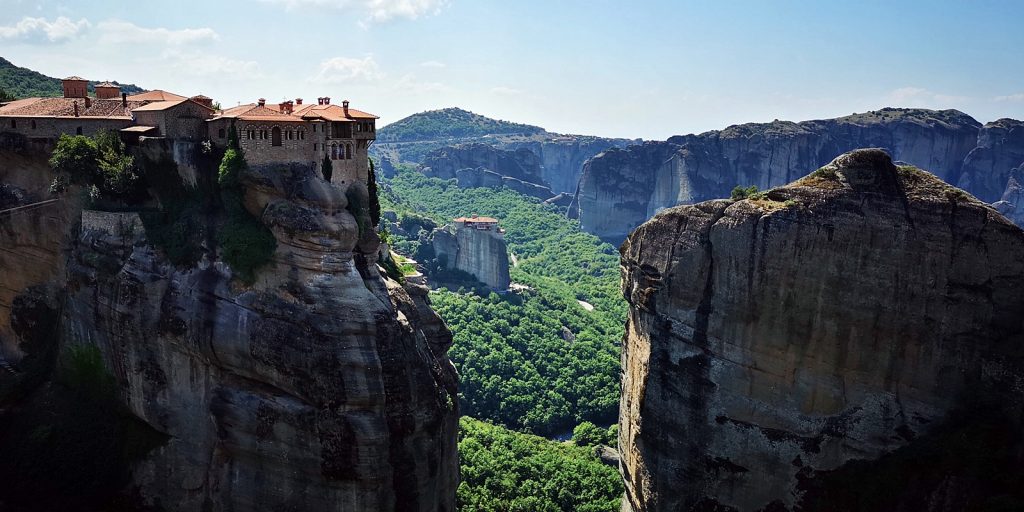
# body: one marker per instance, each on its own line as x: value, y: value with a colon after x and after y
x: 739, y: 192
x: 78, y: 156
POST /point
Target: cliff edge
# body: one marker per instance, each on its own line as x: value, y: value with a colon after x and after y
x: 850, y: 341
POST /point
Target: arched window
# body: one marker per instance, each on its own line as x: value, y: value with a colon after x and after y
x: 302, y: 134
x: 275, y: 136
x: 334, y: 151
x: 348, y: 151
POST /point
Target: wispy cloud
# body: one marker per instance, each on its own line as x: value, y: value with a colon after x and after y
x: 505, y: 91
x: 921, y: 97
x: 1015, y: 98
x: 348, y: 69
x: 200, y: 64
x: 409, y: 83
x: 432, y: 64
x: 39, y: 30
x: 122, y: 32
x: 375, y: 10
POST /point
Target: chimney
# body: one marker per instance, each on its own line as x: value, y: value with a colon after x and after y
x: 298, y: 101
x: 327, y: 100
x: 261, y: 102
x: 76, y: 108
x: 320, y: 100
x: 344, y: 105
x: 124, y: 99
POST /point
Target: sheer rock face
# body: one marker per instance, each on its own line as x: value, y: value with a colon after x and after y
x: 34, y: 241
x: 482, y: 253
x: 323, y: 386
x: 521, y: 164
x: 988, y: 167
x: 622, y: 188
x: 832, y: 319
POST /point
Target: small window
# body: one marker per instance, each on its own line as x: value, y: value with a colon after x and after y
x: 220, y: 133
x: 348, y: 151
x: 78, y: 131
x: 33, y: 124
x: 302, y: 134
x: 314, y: 146
x: 334, y: 151
x: 14, y: 123
x: 275, y: 136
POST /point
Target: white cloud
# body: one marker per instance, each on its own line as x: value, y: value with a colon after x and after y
x: 205, y: 64
x: 505, y: 91
x: 432, y: 64
x: 1019, y: 97
x: 39, y: 30
x: 347, y: 69
x: 375, y: 10
x: 120, y: 32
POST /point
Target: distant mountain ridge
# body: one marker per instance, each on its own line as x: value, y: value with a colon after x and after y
x: 22, y: 82
x: 428, y: 136
x: 451, y: 122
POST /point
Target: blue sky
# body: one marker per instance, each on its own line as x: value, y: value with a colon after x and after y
x: 647, y: 69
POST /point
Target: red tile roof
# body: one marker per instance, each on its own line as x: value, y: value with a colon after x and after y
x: 331, y: 112
x: 156, y: 95
x: 108, y: 84
x: 65, y: 107
x: 478, y: 220
x: 78, y: 78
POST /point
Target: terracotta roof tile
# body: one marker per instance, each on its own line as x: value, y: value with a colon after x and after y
x: 75, y: 77
x: 108, y: 84
x: 479, y: 220
x: 65, y: 107
x: 156, y: 95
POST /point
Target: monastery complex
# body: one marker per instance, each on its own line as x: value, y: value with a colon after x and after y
x: 289, y: 132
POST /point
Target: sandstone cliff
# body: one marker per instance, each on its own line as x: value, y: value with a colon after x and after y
x: 322, y: 386
x: 621, y: 188
x: 825, y: 346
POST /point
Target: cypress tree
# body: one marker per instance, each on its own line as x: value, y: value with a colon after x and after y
x: 325, y: 167
x: 371, y: 186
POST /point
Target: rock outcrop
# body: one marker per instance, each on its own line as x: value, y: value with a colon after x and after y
x: 622, y: 188
x: 480, y: 252
x: 835, y: 326
x: 321, y: 386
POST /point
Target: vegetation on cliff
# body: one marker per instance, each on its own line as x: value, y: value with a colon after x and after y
x: 245, y: 243
x: 503, y: 470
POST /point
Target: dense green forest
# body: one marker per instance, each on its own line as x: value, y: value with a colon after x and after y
x: 535, y: 360
x: 503, y: 470
x: 449, y: 123
x: 19, y: 82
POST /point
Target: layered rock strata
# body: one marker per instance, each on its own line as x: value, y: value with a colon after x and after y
x: 821, y: 328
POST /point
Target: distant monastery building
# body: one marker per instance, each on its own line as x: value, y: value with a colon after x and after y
x: 290, y: 132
